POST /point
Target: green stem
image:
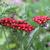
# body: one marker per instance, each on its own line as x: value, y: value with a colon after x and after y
x: 31, y: 36
x: 6, y: 38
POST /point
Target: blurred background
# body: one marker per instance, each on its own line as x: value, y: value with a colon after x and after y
x: 38, y: 39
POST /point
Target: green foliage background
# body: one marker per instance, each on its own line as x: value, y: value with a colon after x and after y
x: 11, y: 39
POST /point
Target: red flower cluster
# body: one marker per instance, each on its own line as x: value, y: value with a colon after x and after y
x: 16, y: 24
x: 41, y: 19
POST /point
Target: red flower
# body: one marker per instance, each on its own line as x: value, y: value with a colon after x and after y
x: 20, y: 24
x: 41, y: 19
x: 21, y: 21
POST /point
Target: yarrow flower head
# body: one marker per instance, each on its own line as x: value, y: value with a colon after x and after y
x: 41, y: 19
x: 17, y: 24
